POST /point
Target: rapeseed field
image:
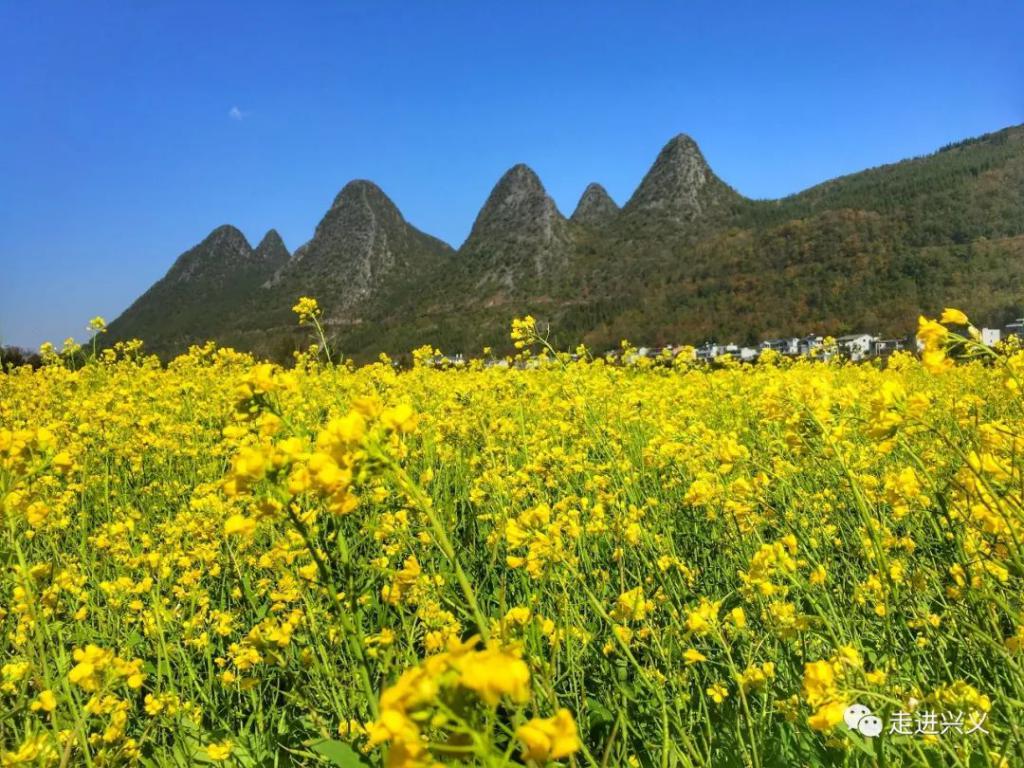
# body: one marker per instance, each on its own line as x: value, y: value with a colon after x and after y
x: 558, y: 561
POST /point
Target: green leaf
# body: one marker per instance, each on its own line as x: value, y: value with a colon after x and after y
x: 599, y: 714
x: 864, y: 745
x: 339, y: 753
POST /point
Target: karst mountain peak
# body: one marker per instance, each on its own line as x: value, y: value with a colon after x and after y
x: 595, y: 207
x: 272, y: 248
x: 680, y: 186
x: 685, y: 259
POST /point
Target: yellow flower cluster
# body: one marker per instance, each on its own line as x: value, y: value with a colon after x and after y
x: 307, y: 309
x: 665, y: 562
x: 96, y: 668
x: 424, y: 707
x: 823, y: 687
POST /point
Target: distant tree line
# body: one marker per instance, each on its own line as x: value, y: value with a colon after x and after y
x: 15, y: 357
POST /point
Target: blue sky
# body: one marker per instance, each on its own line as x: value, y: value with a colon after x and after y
x: 130, y: 130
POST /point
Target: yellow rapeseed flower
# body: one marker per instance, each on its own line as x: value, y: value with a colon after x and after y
x: 954, y: 316
x: 220, y: 751
x: 551, y: 738
x: 239, y: 525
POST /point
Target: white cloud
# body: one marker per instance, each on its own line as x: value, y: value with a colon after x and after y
x: 236, y: 114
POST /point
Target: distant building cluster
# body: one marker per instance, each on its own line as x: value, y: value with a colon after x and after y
x: 855, y: 346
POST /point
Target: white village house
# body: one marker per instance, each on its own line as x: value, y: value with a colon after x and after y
x: 856, y: 346
x: 782, y: 346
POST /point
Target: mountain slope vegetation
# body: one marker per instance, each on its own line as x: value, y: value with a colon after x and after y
x: 686, y: 259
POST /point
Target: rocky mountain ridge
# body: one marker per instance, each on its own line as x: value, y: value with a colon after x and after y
x: 687, y: 258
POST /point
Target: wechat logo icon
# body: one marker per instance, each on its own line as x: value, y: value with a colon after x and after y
x: 859, y: 718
